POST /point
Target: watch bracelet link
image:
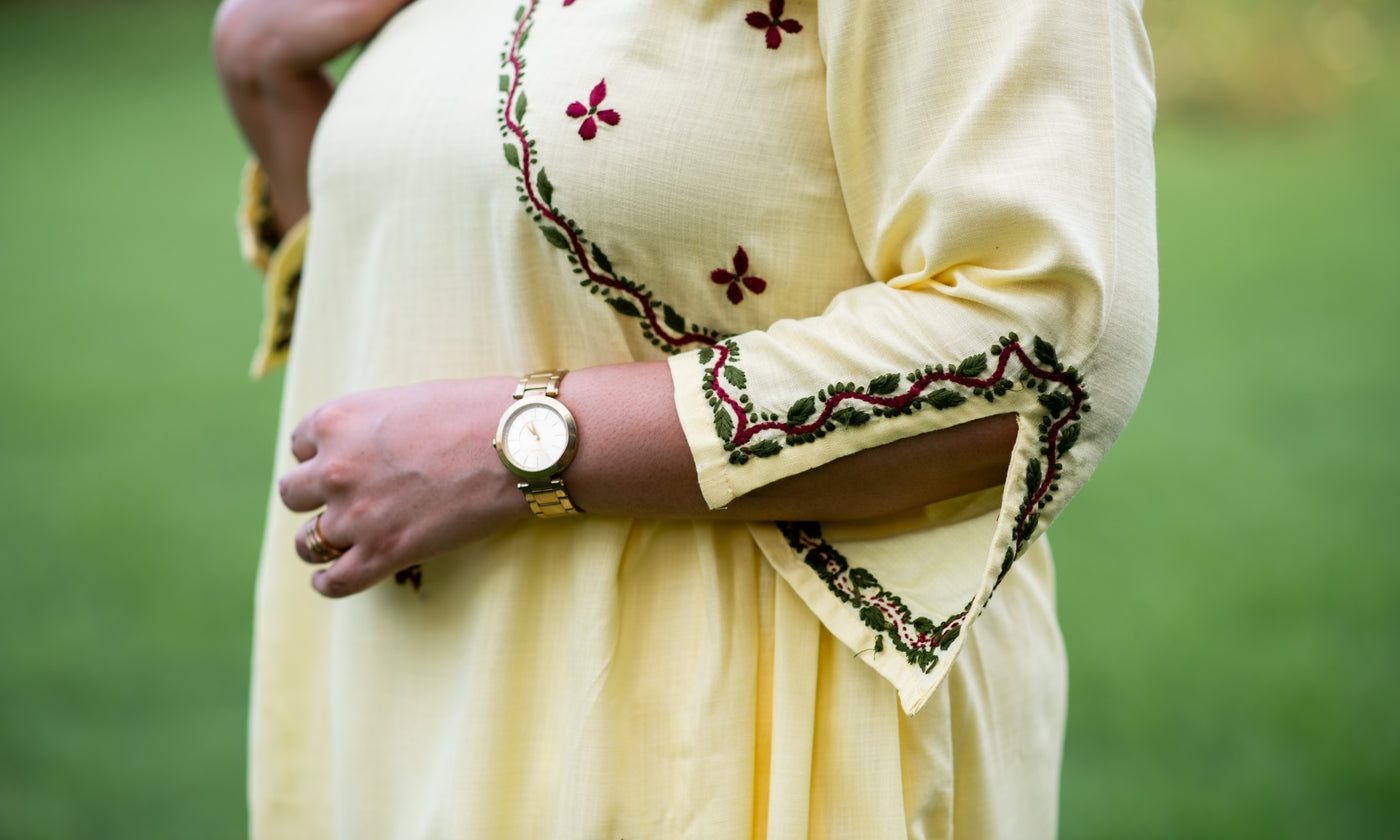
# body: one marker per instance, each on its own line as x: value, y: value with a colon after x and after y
x: 545, y: 382
x: 549, y: 501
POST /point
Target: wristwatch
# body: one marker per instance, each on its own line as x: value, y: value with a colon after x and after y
x: 536, y: 439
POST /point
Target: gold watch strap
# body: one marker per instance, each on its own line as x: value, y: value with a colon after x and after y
x: 548, y: 501
x: 545, y: 382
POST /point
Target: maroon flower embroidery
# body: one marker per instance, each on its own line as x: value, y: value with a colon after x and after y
x: 589, y: 129
x: 738, y: 277
x: 774, y: 24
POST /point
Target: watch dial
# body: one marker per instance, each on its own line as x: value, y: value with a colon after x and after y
x: 536, y: 437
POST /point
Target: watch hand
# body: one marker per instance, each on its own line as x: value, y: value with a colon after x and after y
x: 531, y: 427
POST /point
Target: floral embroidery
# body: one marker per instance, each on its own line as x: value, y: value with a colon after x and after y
x: 661, y: 324
x: 917, y: 637
x: 738, y: 279
x: 589, y: 129
x: 773, y: 23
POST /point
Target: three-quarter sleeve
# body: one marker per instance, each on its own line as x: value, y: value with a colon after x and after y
x: 996, y: 167
x: 277, y: 259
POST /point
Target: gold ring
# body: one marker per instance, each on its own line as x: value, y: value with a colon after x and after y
x: 316, y: 543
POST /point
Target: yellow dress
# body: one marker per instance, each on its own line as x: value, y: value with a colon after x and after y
x: 844, y: 222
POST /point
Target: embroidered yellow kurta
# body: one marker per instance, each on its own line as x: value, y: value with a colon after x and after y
x: 845, y: 222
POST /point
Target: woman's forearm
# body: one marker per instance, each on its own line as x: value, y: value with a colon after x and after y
x: 278, y: 120
x: 634, y: 460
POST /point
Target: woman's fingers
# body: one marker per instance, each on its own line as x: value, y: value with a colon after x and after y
x: 351, y: 569
x: 303, y: 445
x: 350, y: 574
x: 301, y: 488
x: 318, y: 541
x: 302, y: 542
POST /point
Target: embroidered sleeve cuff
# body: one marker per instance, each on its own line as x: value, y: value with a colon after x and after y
x: 875, y: 584
x: 280, y: 285
x: 277, y: 259
x: 902, y: 592
x: 256, y: 237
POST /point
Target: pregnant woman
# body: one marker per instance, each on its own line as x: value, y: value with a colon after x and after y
x: 677, y: 393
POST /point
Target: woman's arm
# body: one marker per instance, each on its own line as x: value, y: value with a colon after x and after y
x: 406, y: 474
x: 269, y: 55
x: 637, y: 461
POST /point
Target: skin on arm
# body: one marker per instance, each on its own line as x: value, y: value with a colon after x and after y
x: 406, y: 474
x: 641, y: 465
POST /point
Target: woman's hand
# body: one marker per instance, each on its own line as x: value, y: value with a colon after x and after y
x: 405, y: 474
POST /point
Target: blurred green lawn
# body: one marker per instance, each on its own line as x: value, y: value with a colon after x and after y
x: 1226, y: 587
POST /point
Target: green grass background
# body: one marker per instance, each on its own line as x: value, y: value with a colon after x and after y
x: 1228, y: 579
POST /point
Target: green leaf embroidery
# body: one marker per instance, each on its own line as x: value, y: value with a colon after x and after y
x: 736, y: 377
x: 949, y: 636
x: 1045, y: 353
x: 884, y: 384
x: 505, y: 83
x: 973, y: 365
x: 765, y: 449
x: 1033, y: 475
x: 555, y: 237
x: 801, y: 410
x: 520, y: 107
x: 873, y: 618
x: 945, y: 398
x: 1056, y: 402
x: 862, y: 578
x: 512, y: 156
x: 850, y: 416
x: 624, y: 306
x: 604, y: 264
x: 546, y: 188
x: 673, y: 319
x: 705, y: 355
x: 1068, y: 436
x: 724, y: 424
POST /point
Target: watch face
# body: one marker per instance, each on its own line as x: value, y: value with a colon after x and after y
x: 535, y: 436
